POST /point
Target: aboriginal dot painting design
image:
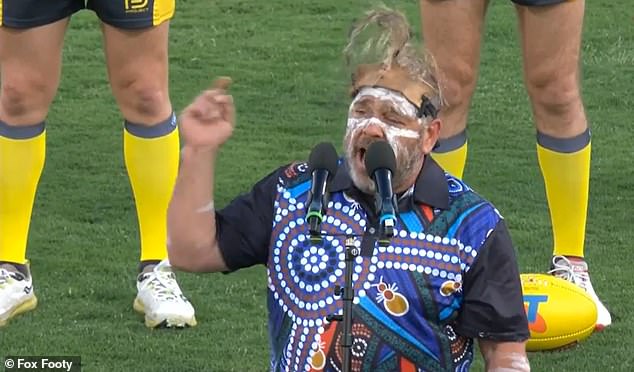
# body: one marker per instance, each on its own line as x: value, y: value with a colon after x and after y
x: 461, y: 349
x: 419, y: 273
x: 302, y: 276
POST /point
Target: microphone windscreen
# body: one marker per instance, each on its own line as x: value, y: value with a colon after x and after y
x: 379, y: 156
x: 323, y: 156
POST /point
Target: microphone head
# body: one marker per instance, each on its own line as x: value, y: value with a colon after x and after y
x: 323, y: 156
x: 379, y: 156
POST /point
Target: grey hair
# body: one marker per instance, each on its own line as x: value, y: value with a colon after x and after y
x: 384, y: 36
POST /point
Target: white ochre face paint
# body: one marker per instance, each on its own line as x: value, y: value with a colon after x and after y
x: 393, y: 115
x: 392, y: 131
x: 399, y: 102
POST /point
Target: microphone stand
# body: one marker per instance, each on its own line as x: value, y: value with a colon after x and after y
x: 347, y: 295
x: 347, y: 292
x: 386, y: 232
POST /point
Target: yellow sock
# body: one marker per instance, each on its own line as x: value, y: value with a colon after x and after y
x: 22, y: 152
x: 565, y: 166
x: 451, y: 154
x: 151, y: 158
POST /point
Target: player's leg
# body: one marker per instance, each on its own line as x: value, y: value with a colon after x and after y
x: 136, y: 46
x: 551, y: 43
x: 30, y: 64
x: 452, y: 32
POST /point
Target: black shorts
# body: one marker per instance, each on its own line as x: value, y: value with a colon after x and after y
x: 128, y: 14
x: 538, y: 2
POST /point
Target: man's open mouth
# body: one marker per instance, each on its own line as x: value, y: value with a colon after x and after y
x: 361, y: 153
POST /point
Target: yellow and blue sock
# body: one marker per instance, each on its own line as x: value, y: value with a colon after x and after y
x: 565, y: 166
x: 22, y: 154
x: 451, y: 154
x: 151, y: 157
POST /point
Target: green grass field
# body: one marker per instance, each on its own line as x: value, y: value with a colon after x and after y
x: 289, y: 88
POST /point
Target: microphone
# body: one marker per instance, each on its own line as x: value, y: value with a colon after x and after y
x: 380, y: 164
x: 322, y: 164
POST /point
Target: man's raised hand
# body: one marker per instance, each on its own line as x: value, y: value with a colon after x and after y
x: 208, y: 121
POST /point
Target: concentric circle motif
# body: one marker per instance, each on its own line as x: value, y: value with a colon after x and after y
x: 361, y: 338
x: 303, y: 275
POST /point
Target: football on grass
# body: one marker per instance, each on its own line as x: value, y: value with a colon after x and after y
x: 560, y: 314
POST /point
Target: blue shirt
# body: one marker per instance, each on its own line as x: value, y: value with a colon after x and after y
x: 448, y: 276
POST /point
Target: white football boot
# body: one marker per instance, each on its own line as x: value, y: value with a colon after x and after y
x: 575, y: 270
x: 16, y: 293
x: 161, y: 300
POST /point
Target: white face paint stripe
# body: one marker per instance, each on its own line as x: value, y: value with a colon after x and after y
x: 390, y: 131
x: 404, y: 106
x: 355, y: 125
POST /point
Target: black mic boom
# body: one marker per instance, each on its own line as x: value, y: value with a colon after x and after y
x: 322, y: 165
x: 380, y: 164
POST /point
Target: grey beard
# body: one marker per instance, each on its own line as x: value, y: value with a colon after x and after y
x: 409, y: 162
x: 362, y: 182
x: 406, y: 162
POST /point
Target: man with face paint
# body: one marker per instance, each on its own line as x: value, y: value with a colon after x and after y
x: 379, y: 112
x: 449, y: 276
